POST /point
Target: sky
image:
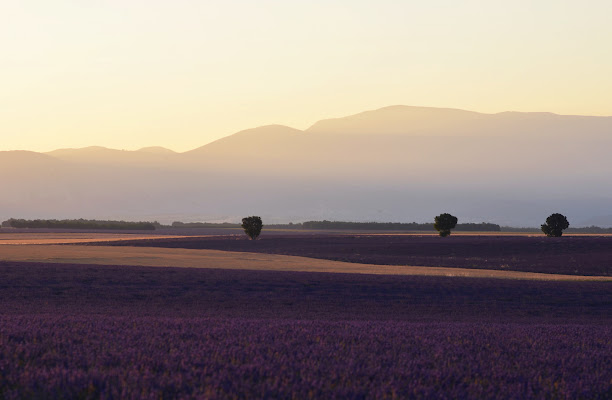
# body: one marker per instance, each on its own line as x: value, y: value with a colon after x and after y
x: 133, y: 73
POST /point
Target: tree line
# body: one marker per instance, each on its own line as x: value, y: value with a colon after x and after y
x: 444, y: 223
x: 395, y: 226
x: 178, y: 224
x: 79, y: 224
x: 409, y: 226
x: 555, y: 225
x: 344, y: 225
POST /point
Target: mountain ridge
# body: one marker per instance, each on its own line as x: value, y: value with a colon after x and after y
x: 252, y: 135
x: 156, y: 150
x: 348, y: 122
x: 510, y: 169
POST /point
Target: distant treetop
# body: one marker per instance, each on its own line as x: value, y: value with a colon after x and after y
x: 555, y: 225
x: 443, y: 223
x: 252, y: 226
x: 79, y: 224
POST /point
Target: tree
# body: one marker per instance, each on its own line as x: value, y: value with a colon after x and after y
x: 252, y: 226
x: 555, y: 224
x: 444, y: 223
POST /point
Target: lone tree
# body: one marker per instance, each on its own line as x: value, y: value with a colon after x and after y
x: 555, y: 224
x: 444, y: 223
x: 252, y: 226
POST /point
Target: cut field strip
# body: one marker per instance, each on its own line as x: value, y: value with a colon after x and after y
x: 67, y: 238
x: 196, y: 258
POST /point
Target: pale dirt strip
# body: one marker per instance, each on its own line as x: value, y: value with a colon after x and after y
x: 160, y: 257
x: 11, y: 237
x: 64, y: 238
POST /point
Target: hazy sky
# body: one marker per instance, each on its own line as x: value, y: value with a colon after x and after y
x: 134, y: 73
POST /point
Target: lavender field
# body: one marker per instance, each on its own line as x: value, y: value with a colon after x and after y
x: 102, y: 356
x: 572, y: 255
x: 84, y: 331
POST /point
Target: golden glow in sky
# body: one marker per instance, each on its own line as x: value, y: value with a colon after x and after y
x: 133, y: 73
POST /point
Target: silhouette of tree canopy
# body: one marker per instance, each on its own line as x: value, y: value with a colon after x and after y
x: 555, y: 224
x: 443, y: 223
x: 179, y: 224
x: 80, y: 224
x: 252, y: 226
x: 388, y: 226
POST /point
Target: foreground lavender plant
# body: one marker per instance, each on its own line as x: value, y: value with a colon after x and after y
x: 90, y: 331
x: 111, y: 357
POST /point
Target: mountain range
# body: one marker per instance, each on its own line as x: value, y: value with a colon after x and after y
x: 397, y: 163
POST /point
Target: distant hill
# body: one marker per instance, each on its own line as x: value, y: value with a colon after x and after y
x: 397, y: 163
x: 399, y: 120
x: 429, y: 121
x: 264, y: 142
x: 249, y: 140
x: 402, y: 142
x: 149, y: 156
x: 156, y: 150
x: 23, y: 157
x: 24, y: 165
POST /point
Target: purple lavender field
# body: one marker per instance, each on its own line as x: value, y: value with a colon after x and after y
x: 160, y: 357
x: 573, y: 255
x: 85, y: 331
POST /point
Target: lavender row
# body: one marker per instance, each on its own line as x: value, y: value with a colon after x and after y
x: 66, y: 356
x: 86, y: 289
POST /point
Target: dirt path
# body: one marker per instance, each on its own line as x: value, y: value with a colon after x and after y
x: 161, y: 257
x: 63, y: 238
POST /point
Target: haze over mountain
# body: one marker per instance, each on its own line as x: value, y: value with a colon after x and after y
x: 147, y: 157
x: 397, y: 163
x: 156, y: 150
x: 429, y: 121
